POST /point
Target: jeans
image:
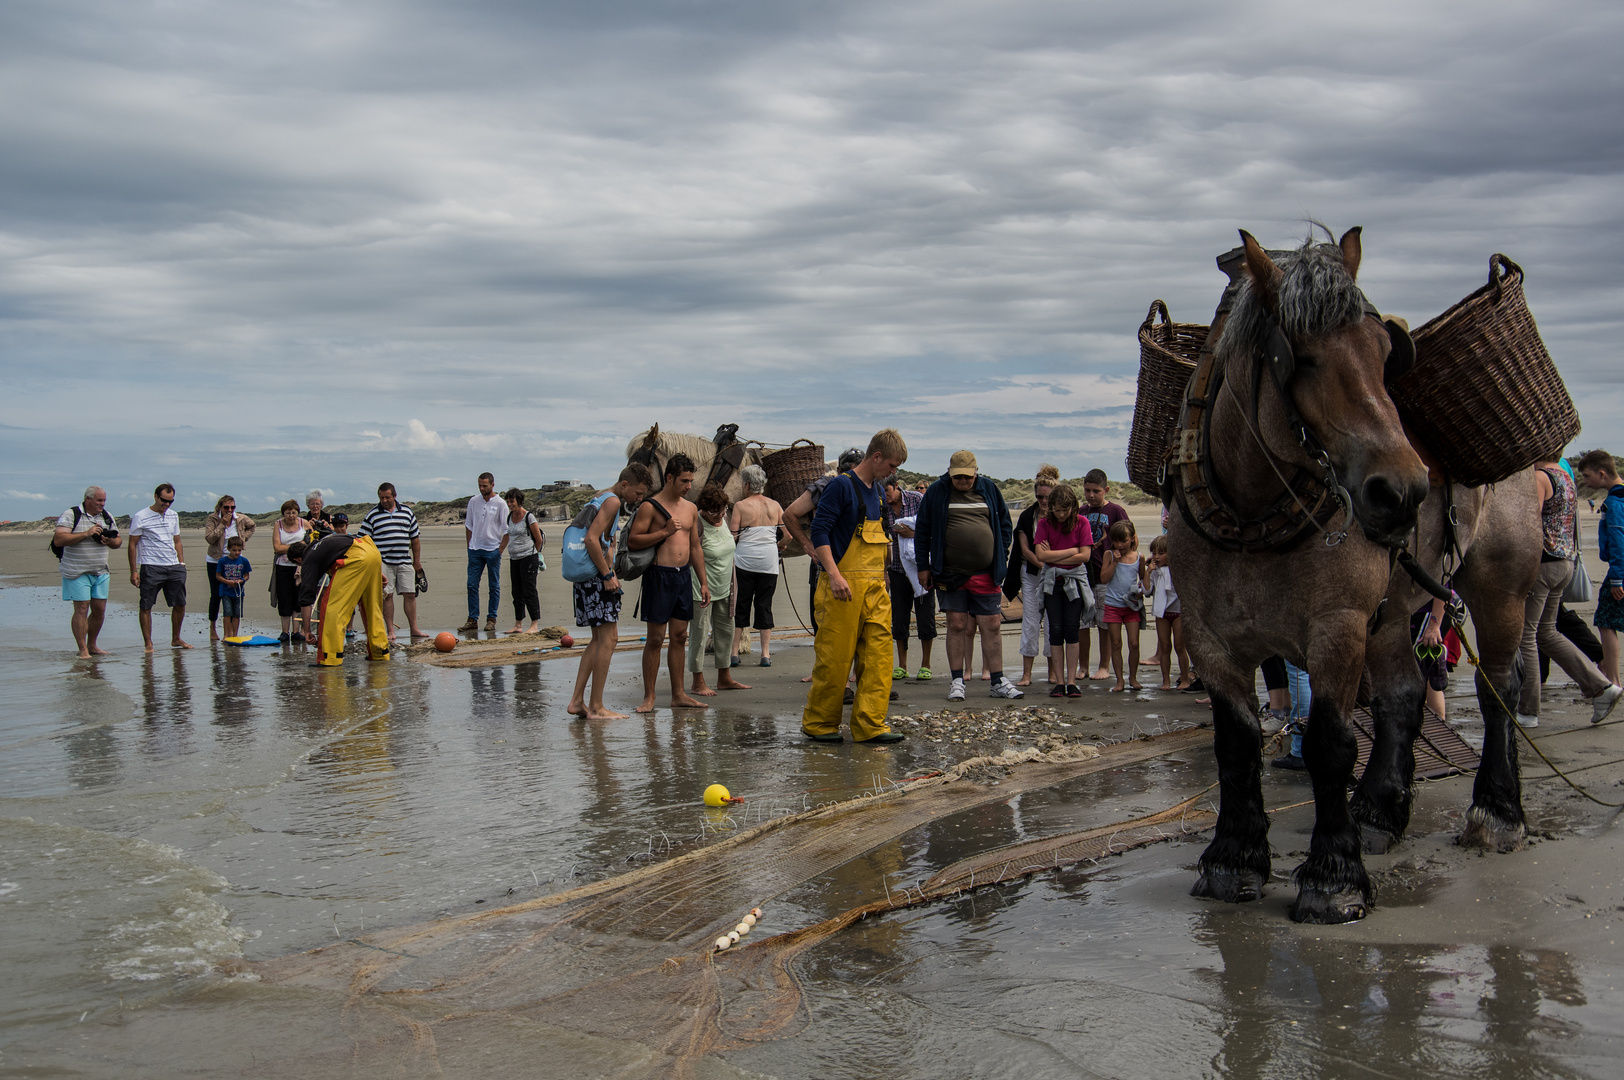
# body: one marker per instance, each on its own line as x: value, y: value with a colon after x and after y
x: 1302, y: 700
x: 478, y: 562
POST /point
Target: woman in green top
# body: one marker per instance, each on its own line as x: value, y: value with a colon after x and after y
x: 716, y: 541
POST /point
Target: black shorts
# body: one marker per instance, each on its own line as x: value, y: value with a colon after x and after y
x: 756, y: 590
x: 668, y: 593
x: 171, y: 580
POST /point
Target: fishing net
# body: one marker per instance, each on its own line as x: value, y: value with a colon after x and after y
x: 633, y: 957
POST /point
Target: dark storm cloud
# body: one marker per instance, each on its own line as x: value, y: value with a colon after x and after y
x: 513, y: 234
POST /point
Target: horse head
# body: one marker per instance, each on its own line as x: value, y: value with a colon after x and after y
x: 1303, y: 326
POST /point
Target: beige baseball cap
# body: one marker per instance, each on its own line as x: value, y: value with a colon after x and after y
x: 962, y: 463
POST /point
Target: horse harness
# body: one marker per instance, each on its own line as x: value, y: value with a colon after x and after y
x: 1312, y: 496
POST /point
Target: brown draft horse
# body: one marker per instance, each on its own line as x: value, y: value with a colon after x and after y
x: 1324, y: 409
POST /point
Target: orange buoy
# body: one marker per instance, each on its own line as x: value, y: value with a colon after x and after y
x: 445, y: 641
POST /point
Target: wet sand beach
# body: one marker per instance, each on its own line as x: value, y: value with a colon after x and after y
x: 168, y: 821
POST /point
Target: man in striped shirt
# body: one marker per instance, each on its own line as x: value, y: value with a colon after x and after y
x: 394, y: 531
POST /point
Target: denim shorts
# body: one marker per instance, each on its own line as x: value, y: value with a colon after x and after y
x: 231, y: 607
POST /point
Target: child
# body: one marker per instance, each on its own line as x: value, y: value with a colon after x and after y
x: 1101, y: 513
x: 1158, y: 582
x: 1124, y: 602
x: 232, y: 572
x: 1064, y: 543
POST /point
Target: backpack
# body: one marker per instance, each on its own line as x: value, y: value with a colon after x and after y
x: 578, y: 565
x: 629, y: 564
x: 107, y: 520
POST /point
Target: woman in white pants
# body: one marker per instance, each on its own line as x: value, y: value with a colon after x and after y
x: 1033, y: 641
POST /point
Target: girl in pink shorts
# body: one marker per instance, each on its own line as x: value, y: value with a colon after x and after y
x: 1124, y: 601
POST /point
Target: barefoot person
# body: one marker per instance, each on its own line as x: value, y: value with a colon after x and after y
x: 716, y: 541
x: 669, y: 523
x: 83, y: 536
x: 597, y: 602
x: 158, y: 562
x: 853, y: 608
x: 1102, y: 513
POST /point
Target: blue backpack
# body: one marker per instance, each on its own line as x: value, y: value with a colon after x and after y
x: 578, y: 565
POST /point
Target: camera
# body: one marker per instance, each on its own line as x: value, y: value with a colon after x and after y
x: 109, y: 534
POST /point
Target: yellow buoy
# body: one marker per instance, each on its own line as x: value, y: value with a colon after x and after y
x: 716, y: 795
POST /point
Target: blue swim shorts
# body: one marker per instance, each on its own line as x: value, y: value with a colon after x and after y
x: 86, y: 587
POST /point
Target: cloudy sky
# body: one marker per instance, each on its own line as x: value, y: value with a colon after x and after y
x: 262, y: 247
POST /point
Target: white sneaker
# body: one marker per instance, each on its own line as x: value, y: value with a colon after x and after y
x: 956, y: 691
x: 1007, y: 689
x: 1602, y: 704
x: 1527, y: 721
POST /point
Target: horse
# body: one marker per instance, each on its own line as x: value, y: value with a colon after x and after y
x: 1264, y: 465
x: 654, y: 448
x: 1486, y: 543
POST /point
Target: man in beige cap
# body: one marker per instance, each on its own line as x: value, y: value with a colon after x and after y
x: 962, y: 539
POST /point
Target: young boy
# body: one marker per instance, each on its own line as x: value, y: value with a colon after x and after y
x: 1598, y: 470
x: 1101, y: 514
x: 232, y: 572
x: 853, y: 609
x: 597, y: 603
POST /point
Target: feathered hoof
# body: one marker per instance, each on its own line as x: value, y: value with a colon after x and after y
x: 1329, y: 908
x: 1376, y: 841
x: 1231, y: 886
x: 1487, y: 831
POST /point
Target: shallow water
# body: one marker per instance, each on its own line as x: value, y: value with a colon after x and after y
x: 160, y: 815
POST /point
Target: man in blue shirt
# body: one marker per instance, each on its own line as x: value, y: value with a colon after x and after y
x: 852, y: 607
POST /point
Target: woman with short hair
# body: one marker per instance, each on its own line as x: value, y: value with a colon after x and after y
x: 525, y: 541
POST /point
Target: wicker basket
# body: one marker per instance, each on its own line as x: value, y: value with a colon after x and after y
x: 1484, y: 396
x: 1167, y: 356
x: 790, y: 470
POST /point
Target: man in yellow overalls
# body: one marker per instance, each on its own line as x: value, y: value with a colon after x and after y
x: 355, y: 572
x: 852, y: 607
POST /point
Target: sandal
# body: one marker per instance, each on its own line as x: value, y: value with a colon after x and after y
x: 899, y: 673
x: 924, y: 674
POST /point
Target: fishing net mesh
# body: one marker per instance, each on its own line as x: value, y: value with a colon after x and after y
x: 633, y: 958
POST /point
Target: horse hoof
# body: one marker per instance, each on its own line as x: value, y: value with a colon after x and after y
x: 1329, y: 908
x: 1487, y: 832
x: 1375, y: 841
x: 1230, y: 886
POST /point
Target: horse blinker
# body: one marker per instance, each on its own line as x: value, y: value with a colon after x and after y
x: 1402, y: 358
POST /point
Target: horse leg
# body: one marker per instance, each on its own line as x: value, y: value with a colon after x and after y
x: 1236, y: 865
x: 1495, y: 822
x: 1381, y: 803
x: 1332, y: 886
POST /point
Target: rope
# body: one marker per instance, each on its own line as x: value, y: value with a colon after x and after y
x: 1471, y: 655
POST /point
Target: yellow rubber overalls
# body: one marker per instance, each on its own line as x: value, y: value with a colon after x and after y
x: 860, y: 628
x: 357, y: 578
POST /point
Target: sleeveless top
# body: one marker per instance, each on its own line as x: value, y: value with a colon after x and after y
x: 287, y: 538
x: 1123, y: 584
x: 758, y: 549
x: 1556, y: 516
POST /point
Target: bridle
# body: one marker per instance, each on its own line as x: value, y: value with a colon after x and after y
x: 1313, y: 495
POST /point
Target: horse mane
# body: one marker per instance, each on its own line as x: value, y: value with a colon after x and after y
x: 1316, y: 296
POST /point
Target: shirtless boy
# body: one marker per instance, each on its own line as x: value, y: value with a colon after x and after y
x: 597, y: 603
x: 671, y: 522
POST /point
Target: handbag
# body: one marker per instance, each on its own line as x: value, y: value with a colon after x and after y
x: 1579, y: 589
x: 631, y: 563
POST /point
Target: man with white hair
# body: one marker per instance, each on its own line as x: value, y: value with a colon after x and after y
x: 84, y: 534
x: 757, y: 523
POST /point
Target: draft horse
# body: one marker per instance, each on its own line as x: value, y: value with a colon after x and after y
x: 1287, y: 438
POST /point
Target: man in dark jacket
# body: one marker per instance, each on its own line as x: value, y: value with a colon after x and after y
x: 961, y: 540
x: 355, y: 576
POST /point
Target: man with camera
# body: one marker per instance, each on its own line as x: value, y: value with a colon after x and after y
x: 83, y: 535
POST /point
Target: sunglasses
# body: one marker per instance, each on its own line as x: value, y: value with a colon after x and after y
x: 165, y: 501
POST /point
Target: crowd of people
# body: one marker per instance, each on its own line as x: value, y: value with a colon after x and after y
x: 884, y: 557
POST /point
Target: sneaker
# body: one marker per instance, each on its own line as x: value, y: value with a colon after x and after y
x: 1195, y: 687
x: 924, y: 674
x: 1058, y: 691
x: 298, y: 637
x: 899, y: 673
x: 1073, y: 690
x: 1525, y: 721
x: 956, y: 691
x: 894, y: 697
x: 471, y: 624
x: 884, y: 737
x: 1602, y: 704
x: 733, y: 662
x: 766, y: 661
x: 1006, y: 689
x: 285, y: 638
x: 1273, y: 720
x: 1290, y: 761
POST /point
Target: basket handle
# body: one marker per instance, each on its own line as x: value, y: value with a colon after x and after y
x: 1498, y: 262
x: 798, y: 442
x: 1158, y: 307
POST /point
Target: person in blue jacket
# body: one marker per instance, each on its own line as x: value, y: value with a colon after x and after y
x: 1599, y: 471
